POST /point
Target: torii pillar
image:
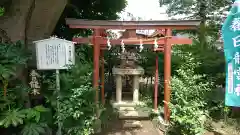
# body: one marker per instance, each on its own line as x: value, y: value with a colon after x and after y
x: 167, y: 74
x: 96, y: 55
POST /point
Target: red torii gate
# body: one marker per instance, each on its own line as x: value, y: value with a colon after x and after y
x: 99, y: 42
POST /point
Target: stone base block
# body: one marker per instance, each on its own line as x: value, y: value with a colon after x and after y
x: 130, y: 110
x: 132, y: 114
x: 126, y: 104
x: 126, y: 114
x: 132, y: 124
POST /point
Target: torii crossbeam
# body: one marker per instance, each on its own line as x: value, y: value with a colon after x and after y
x: 99, y: 42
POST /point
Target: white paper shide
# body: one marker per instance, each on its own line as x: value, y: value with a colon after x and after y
x: 54, y: 53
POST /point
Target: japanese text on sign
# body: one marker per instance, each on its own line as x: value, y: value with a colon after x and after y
x: 230, y: 78
x: 235, y: 26
x: 231, y: 41
x: 54, y: 53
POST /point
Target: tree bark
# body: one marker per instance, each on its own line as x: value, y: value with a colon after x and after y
x: 203, y: 17
x: 14, y: 19
x: 40, y: 21
x: 29, y: 20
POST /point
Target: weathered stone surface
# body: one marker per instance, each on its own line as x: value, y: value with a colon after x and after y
x: 131, y: 110
x: 128, y: 71
x: 132, y: 124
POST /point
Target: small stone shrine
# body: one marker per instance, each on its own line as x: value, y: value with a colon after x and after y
x: 129, y: 68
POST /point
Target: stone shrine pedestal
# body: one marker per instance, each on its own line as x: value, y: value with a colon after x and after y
x: 119, y: 73
x: 127, y: 108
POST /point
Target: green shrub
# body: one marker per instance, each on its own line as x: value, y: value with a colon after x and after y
x: 29, y: 120
x: 2, y: 11
x: 188, y: 113
x: 78, y: 111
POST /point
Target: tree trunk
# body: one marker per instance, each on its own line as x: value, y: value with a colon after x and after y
x: 29, y: 20
x: 203, y: 17
x: 40, y: 18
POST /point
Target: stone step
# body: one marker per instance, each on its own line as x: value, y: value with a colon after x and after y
x: 131, y: 110
x: 126, y: 103
x: 132, y: 113
x: 126, y: 108
x: 132, y: 124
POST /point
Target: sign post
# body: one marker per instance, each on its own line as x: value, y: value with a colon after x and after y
x: 59, y: 132
x: 55, y: 54
x: 231, y: 39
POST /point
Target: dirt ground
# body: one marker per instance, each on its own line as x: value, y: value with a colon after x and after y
x: 117, y: 127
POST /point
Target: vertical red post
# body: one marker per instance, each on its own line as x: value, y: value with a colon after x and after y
x: 167, y: 75
x: 156, y: 84
x: 96, y: 51
x: 102, y: 77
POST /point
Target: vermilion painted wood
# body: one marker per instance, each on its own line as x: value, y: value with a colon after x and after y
x: 157, y: 50
x: 96, y: 50
x: 167, y: 75
x: 102, y: 77
x: 132, y: 27
x: 156, y: 85
x: 129, y: 41
x: 87, y: 22
x: 114, y: 24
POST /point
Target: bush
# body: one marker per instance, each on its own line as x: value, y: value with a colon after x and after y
x: 2, y: 11
x: 78, y: 111
x: 188, y: 113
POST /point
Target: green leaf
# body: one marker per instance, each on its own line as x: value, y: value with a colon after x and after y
x: 34, y: 129
x: 12, y: 117
x: 37, y: 117
x: 41, y: 108
x: 2, y: 10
